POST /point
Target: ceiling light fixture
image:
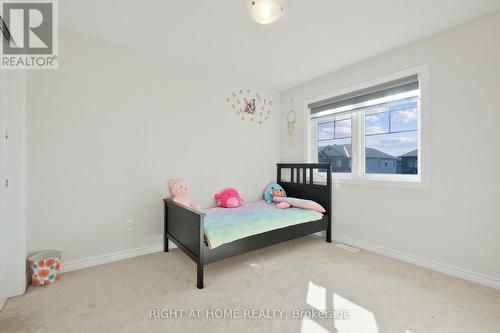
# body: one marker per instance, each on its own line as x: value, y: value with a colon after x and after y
x: 266, y: 11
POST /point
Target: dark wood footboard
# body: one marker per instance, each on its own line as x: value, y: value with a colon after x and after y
x: 184, y: 226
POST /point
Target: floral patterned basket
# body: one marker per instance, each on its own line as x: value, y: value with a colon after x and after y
x: 44, y: 267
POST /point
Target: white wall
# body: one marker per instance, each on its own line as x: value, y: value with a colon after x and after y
x: 456, y: 221
x: 111, y: 126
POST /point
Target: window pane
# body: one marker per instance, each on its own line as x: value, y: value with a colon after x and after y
x: 334, y: 142
x: 395, y: 153
x: 376, y: 123
x: 326, y: 119
x: 337, y: 152
x: 404, y: 120
x: 391, y: 142
x: 403, y: 104
x: 325, y: 130
x: 342, y: 128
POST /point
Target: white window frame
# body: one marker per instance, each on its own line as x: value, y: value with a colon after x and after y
x: 358, y: 175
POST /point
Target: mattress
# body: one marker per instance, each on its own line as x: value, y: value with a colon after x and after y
x: 225, y: 225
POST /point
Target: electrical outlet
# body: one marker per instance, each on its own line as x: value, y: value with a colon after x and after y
x: 129, y: 224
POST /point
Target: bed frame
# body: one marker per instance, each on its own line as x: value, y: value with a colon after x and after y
x: 184, y: 226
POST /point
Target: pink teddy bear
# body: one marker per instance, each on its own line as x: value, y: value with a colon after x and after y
x: 229, y: 198
x: 179, y: 189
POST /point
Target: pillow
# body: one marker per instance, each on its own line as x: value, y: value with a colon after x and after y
x: 301, y: 203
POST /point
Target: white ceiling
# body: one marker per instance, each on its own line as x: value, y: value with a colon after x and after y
x: 313, y: 37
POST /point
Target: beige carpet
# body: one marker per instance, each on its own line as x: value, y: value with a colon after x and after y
x: 375, y: 293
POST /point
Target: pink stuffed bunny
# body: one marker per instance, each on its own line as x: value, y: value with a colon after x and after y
x: 229, y: 198
x: 179, y: 189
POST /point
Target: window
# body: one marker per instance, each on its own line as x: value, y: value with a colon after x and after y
x: 372, y: 133
x: 391, y: 133
x: 334, y: 142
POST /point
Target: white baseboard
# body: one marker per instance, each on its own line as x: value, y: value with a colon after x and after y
x: 458, y: 272
x: 461, y: 273
x: 111, y: 257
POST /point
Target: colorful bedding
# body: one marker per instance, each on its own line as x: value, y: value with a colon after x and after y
x: 224, y: 225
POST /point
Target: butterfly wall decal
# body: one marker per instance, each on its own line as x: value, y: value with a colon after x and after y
x: 250, y: 106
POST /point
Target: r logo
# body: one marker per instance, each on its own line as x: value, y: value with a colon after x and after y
x: 31, y: 27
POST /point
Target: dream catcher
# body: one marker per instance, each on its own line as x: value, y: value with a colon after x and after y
x: 291, y: 117
x: 250, y: 107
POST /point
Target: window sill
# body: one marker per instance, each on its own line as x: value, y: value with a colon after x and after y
x: 377, y: 181
x: 396, y: 183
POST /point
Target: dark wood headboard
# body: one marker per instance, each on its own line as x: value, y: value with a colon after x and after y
x: 302, y: 184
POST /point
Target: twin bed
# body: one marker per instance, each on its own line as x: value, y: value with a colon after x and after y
x: 219, y: 233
